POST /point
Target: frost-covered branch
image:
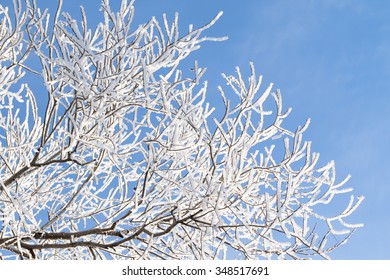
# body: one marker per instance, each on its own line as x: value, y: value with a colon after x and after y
x: 118, y: 155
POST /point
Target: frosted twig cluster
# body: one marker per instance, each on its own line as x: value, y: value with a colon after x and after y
x: 118, y: 155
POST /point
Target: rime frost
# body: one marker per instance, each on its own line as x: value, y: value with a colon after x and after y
x: 122, y: 157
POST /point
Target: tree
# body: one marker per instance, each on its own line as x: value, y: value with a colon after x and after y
x: 118, y: 154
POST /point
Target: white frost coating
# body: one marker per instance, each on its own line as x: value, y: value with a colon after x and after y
x: 126, y: 159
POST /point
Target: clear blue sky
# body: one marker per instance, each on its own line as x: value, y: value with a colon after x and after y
x: 331, y: 60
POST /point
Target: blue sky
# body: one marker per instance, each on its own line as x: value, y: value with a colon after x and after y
x: 331, y: 60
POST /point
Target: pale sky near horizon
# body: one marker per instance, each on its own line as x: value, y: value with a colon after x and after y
x: 331, y: 61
